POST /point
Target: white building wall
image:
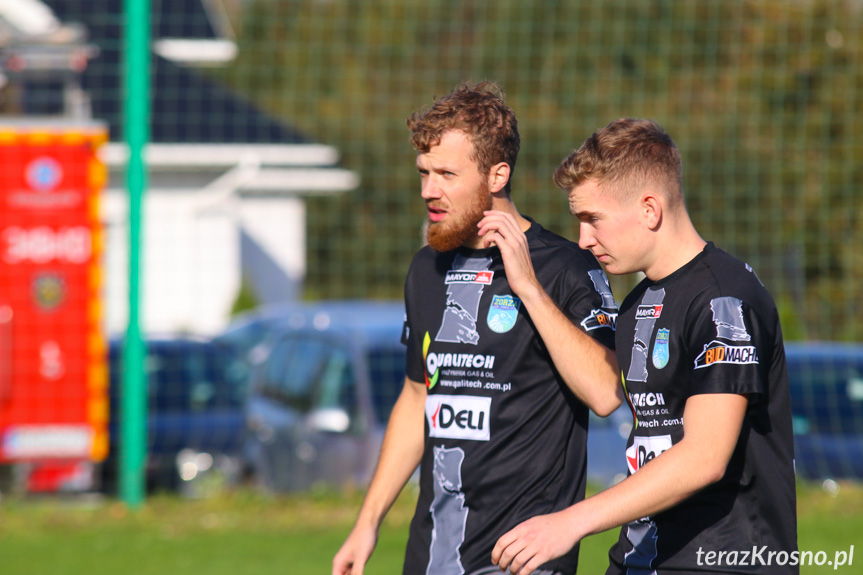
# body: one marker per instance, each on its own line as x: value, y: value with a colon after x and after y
x: 190, y: 263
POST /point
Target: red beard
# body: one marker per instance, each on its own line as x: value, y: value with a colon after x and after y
x: 455, y: 231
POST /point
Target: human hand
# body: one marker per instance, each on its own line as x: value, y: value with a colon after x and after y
x: 533, y: 543
x: 501, y: 229
x: 355, y: 552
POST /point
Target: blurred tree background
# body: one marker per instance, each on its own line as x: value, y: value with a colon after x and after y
x: 762, y: 97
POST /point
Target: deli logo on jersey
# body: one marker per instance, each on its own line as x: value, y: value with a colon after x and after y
x: 644, y: 449
x: 648, y: 311
x: 717, y: 352
x: 599, y: 319
x: 459, y: 417
x: 469, y: 277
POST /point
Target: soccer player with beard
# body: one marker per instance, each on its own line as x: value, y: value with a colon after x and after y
x: 499, y: 435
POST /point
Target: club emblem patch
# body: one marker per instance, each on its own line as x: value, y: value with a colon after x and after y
x: 502, y: 313
x: 660, y: 349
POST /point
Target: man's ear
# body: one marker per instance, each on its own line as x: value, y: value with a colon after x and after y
x: 651, y: 208
x: 498, y: 177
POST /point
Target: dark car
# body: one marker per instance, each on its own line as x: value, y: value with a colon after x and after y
x: 327, y: 378
x: 196, y: 390
x: 826, y: 383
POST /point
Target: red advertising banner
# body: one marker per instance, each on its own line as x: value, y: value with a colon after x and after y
x: 53, y: 354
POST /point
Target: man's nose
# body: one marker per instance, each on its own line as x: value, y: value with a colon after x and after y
x: 430, y: 188
x: 585, y: 237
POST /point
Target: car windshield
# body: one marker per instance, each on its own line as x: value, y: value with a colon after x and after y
x: 827, y: 394
x: 307, y: 373
x: 317, y: 373
x: 387, y: 373
x: 188, y: 376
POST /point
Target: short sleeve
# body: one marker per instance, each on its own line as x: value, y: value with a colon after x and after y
x: 727, y: 348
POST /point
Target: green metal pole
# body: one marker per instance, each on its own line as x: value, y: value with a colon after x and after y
x: 133, y: 410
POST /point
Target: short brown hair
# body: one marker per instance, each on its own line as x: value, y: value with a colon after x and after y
x: 627, y: 153
x: 478, y: 111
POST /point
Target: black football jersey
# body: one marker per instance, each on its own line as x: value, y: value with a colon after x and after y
x: 505, y: 438
x: 710, y: 327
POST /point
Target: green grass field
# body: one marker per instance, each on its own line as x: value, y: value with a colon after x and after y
x: 242, y: 532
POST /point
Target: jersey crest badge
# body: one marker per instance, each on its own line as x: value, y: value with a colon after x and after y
x: 502, y: 313
x: 660, y: 349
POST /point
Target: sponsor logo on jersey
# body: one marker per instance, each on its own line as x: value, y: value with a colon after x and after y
x: 502, y: 313
x: 435, y: 361
x: 459, y: 416
x: 431, y: 379
x: 660, y: 349
x: 717, y: 352
x: 648, y: 311
x: 469, y: 277
x: 646, y: 399
x: 644, y: 449
x: 599, y: 319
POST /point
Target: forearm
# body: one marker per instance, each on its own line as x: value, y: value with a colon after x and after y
x: 659, y: 485
x: 712, y: 426
x: 400, y: 455
x: 588, y: 367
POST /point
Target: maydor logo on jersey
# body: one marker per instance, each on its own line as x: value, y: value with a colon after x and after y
x: 660, y: 349
x: 644, y: 449
x: 502, y: 313
x: 648, y: 311
x: 459, y: 416
x: 469, y: 277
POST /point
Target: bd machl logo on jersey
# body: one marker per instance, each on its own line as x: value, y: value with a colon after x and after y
x: 459, y: 416
x: 469, y: 277
x: 502, y: 313
x: 598, y: 319
x: 730, y: 327
x: 717, y: 352
x: 644, y: 449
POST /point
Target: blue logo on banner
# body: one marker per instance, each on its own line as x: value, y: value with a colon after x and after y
x: 44, y: 174
x: 502, y: 313
x: 660, y: 349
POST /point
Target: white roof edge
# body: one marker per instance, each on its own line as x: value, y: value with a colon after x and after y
x: 223, y: 155
x: 305, y: 180
x: 196, y: 52
x: 286, y: 181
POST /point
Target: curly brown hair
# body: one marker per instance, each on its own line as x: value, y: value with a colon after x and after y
x: 627, y: 153
x: 479, y: 111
